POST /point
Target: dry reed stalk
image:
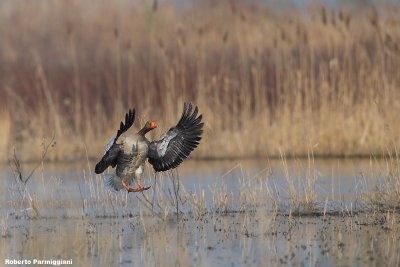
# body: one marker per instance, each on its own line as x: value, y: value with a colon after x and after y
x: 5, y: 131
x: 384, y: 196
x: 332, y: 80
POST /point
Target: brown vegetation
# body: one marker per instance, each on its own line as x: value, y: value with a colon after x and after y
x: 267, y: 82
x: 5, y: 126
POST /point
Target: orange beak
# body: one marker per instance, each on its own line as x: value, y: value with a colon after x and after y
x: 153, y: 125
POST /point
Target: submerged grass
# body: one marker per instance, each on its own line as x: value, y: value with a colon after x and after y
x: 266, y: 81
x: 385, y: 195
x: 268, y: 218
x: 244, y: 239
x: 282, y: 220
x: 289, y: 191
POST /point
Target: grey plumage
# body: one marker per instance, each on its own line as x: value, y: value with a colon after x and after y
x: 130, y: 154
x: 176, y: 145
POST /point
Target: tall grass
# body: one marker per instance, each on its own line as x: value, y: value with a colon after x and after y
x: 5, y: 126
x: 267, y: 82
x: 385, y: 195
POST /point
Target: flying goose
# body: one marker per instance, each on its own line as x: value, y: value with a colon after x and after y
x: 129, y: 155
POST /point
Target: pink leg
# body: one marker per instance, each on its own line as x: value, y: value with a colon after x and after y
x: 140, y: 189
x: 139, y: 184
x: 124, y: 185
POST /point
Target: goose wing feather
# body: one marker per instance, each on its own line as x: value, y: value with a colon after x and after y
x: 113, y: 149
x: 129, y: 120
x: 110, y: 158
x: 176, y: 144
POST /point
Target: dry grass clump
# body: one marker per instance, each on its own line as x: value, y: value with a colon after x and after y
x: 301, y: 191
x: 385, y: 195
x: 290, y: 191
x: 31, y: 197
x: 265, y: 81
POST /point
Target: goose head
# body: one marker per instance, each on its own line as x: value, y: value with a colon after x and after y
x: 148, y: 127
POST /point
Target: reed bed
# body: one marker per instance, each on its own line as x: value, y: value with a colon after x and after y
x: 295, y: 192
x: 268, y: 82
x: 5, y: 126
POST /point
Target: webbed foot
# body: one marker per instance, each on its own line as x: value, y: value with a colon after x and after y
x: 138, y: 189
x: 130, y: 189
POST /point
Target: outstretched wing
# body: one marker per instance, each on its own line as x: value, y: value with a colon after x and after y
x: 129, y: 120
x: 176, y: 145
x: 109, y: 159
x: 112, y: 148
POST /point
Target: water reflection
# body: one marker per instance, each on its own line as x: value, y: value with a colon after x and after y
x: 228, y: 219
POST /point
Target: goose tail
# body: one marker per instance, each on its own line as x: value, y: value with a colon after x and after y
x: 113, y: 182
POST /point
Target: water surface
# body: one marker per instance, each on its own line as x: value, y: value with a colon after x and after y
x: 228, y: 216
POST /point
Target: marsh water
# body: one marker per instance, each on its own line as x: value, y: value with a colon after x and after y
x: 231, y: 213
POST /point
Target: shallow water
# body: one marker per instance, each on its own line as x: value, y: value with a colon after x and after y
x: 338, y: 179
x: 223, y: 240
x: 81, y: 220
